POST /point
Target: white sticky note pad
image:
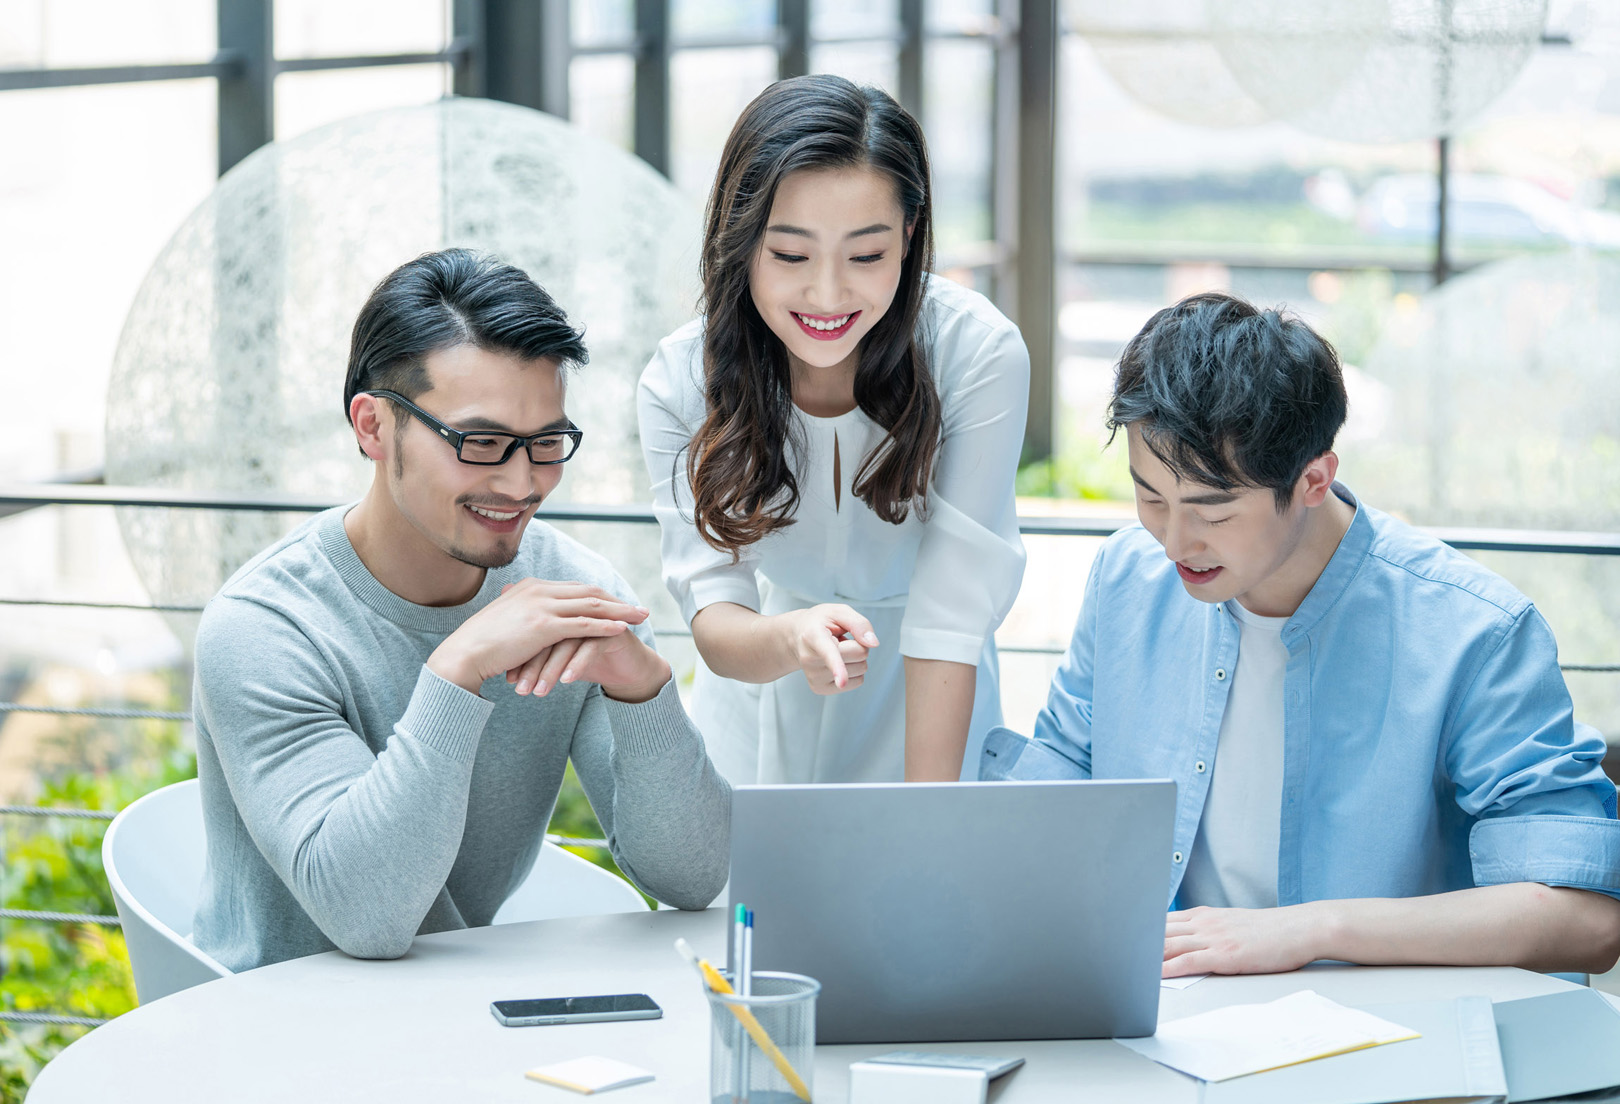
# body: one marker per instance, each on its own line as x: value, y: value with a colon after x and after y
x: 590, y: 1075
x: 882, y: 1083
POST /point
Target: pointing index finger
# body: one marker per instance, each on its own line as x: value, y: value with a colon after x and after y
x: 828, y: 649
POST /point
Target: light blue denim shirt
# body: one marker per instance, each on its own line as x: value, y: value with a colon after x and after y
x: 1429, y: 740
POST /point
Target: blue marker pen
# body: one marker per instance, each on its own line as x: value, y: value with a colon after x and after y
x: 745, y: 986
x: 739, y: 983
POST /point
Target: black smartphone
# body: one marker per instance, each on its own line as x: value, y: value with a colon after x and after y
x: 563, y: 1010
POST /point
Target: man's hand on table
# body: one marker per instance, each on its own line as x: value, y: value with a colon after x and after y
x: 1240, y: 941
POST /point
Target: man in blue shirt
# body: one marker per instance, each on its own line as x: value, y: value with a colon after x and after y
x: 1375, y: 754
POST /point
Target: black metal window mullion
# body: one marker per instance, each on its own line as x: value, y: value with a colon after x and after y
x: 1004, y: 155
x: 225, y: 63
x: 519, y: 52
x: 652, y: 96
x: 1034, y: 299
x: 555, y: 56
x: 793, y: 38
x: 911, y: 60
x: 469, y: 77
x: 247, y: 113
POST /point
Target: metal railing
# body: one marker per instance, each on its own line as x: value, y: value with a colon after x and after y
x: 82, y: 491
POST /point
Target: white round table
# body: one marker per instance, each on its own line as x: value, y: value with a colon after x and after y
x: 418, y: 1029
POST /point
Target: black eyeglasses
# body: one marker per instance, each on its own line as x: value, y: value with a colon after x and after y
x: 551, y: 446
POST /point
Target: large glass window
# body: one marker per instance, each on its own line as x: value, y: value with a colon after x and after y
x: 1541, y: 170
x: 958, y: 114
x: 708, y: 89
x: 305, y: 101
x: 1170, y: 180
x: 320, y: 28
x: 601, y: 96
x: 64, y: 34
x: 80, y: 222
x: 844, y: 20
x: 1471, y: 403
x: 862, y: 62
x: 698, y: 19
x: 602, y: 22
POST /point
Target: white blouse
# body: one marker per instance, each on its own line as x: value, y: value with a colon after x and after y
x: 956, y: 571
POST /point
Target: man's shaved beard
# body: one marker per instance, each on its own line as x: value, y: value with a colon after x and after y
x: 499, y: 556
x: 495, y: 557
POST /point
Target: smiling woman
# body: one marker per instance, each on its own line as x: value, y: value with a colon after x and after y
x: 832, y: 449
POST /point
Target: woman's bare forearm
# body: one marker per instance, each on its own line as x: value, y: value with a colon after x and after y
x: 739, y: 643
x: 828, y: 643
x: 939, y: 707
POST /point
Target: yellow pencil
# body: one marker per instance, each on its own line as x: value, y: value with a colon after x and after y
x: 750, y: 1022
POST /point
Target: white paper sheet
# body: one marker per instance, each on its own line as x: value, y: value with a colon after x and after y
x: 1248, y: 1038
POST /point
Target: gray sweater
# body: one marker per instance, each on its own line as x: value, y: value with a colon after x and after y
x: 354, y: 799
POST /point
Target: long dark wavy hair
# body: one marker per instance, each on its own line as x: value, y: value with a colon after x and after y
x: 740, y: 464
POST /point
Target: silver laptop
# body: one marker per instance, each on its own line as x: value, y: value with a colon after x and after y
x: 963, y: 910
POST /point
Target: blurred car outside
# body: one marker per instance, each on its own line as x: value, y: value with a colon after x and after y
x: 1481, y: 208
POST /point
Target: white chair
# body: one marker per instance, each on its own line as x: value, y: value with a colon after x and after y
x: 153, y: 856
x: 562, y: 884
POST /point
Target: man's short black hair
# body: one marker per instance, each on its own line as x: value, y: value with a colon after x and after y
x: 1229, y: 395
x: 450, y: 298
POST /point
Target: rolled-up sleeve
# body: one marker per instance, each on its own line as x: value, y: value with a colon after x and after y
x: 1531, y: 776
x: 1576, y: 851
x: 970, y: 561
x: 669, y: 408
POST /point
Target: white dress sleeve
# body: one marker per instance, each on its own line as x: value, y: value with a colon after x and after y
x: 669, y: 408
x: 970, y: 562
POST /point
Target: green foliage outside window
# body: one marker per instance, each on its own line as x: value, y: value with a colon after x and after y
x: 1083, y: 470
x: 54, y: 865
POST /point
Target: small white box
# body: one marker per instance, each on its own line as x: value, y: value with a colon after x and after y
x: 883, y: 1083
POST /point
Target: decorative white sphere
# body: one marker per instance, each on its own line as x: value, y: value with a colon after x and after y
x: 1356, y: 70
x: 1376, y: 70
x: 1502, y: 410
x: 1163, y: 54
x: 1503, y: 399
x: 229, y: 373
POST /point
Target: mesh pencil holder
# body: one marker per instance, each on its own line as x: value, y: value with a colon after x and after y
x: 762, y: 1047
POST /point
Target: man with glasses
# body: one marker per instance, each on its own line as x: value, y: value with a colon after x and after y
x: 386, y: 699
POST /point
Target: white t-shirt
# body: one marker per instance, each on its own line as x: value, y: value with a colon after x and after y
x: 1234, y: 856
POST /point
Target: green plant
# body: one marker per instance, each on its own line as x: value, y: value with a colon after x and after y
x: 23, y: 1052
x: 1085, y: 470
x: 53, y: 864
